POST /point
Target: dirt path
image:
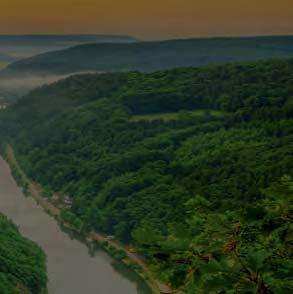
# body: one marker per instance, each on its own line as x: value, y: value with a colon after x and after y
x: 161, y: 287
x: 35, y: 192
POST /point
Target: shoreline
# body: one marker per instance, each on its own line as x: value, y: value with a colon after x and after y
x: 34, y: 190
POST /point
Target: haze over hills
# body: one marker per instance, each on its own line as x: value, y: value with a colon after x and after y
x: 15, y: 47
x: 151, y: 56
x: 22, y: 76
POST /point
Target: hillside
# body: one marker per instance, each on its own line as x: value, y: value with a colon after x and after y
x: 151, y: 56
x: 23, y: 264
x: 192, y: 165
x: 15, y: 47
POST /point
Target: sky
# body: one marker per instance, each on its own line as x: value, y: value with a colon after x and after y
x: 147, y: 19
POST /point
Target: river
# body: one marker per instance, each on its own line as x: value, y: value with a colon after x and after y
x: 71, y: 270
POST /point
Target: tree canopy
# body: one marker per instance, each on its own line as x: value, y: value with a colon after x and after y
x: 22, y: 263
x: 193, y: 165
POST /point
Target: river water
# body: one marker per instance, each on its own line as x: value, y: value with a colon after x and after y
x: 71, y: 270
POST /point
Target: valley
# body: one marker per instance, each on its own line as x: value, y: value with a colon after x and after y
x: 146, y: 147
x: 178, y: 164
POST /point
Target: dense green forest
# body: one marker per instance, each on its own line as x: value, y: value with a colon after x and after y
x: 151, y: 56
x: 22, y: 263
x: 193, y: 165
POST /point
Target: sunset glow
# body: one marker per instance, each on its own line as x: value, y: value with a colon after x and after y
x: 149, y: 19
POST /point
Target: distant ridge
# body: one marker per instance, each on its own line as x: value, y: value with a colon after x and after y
x: 152, y: 56
x: 63, y: 38
x: 15, y: 47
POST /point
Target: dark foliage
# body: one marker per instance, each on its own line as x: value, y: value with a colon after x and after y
x: 22, y: 263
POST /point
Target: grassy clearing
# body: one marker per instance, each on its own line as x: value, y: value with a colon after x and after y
x: 177, y: 115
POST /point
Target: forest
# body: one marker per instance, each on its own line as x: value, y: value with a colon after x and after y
x: 192, y: 165
x: 22, y: 263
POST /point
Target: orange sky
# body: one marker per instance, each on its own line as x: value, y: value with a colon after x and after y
x: 148, y: 19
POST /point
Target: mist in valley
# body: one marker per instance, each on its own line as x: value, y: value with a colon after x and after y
x: 12, y: 88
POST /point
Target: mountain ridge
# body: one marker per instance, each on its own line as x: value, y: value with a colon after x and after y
x: 16, y: 47
x: 155, y: 55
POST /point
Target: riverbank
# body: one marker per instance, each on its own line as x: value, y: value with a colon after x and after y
x: 72, y: 267
x: 131, y: 259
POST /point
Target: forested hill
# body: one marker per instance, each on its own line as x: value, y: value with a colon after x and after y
x: 151, y: 56
x: 193, y: 165
x: 22, y: 263
x: 16, y: 47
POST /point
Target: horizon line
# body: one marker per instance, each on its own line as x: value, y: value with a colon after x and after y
x: 148, y: 39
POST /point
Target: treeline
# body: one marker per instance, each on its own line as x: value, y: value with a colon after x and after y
x: 204, y: 197
x: 22, y: 263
